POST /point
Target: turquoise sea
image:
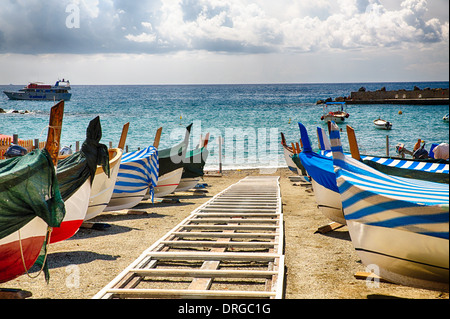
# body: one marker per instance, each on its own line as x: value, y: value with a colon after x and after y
x: 248, y: 117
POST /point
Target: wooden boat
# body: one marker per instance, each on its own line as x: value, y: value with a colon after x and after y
x: 433, y: 170
x: 338, y: 115
x: 168, y: 182
x: 76, y: 208
x: 138, y: 175
x: 321, y: 172
x: 76, y: 174
x: 399, y: 225
x: 382, y: 124
x: 20, y: 248
x: 193, y: 165
x: 289, y: 152
x: 170, y: 166
x: 103, y: 185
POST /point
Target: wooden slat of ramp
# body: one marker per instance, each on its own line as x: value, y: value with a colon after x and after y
x: 234, y: 251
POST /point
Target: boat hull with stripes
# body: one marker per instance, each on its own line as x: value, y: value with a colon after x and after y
x: 187, y: 183
x: 433, y: 170
x: 138, y: 174
x: 168, y: 183
x: 398, y: 225
x: 103, y: 186
x: 323, y: 180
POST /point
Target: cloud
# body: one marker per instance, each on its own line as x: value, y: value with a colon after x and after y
x: 233, y: 26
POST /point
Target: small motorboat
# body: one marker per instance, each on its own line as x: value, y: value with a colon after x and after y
x: 445, y: 117
x: 382, y: 124
x: 339, y: 115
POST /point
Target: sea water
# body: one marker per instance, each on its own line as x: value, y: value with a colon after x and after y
x: 248, y: 118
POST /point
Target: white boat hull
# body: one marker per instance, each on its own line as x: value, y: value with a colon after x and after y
x: 382, y: 124
x: 38, y: 96
x: 329, y: 203
x: 125, y: 200
x: 423, y: 264
x: 290, y: 163
x: 337, y: 119
x: 103, y: 186
x: 31, y: 237
x: 187, y: 183
x: 168, y: 182
x: 76, y: 208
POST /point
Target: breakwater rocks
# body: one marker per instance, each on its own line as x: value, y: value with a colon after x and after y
x: 416, y: 96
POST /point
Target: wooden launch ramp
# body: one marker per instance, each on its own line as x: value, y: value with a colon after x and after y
x: 230, y: 247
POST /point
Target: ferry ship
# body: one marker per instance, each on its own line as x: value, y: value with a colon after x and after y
x: 42, y: 92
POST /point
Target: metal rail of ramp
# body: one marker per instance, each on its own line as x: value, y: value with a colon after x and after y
x: 229, y: 247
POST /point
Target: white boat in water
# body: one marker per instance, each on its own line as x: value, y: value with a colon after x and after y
x: 42, y: 92
x: 382, y: 124
x: 399, y: 225
x: 338, y: 115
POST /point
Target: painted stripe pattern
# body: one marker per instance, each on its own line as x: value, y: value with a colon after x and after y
x: 377, y: 199
x: 399, y: 163
x: 138, y: 170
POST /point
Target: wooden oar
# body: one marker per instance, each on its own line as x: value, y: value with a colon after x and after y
x: 123, y: 137
x: 354, y: 149
x: 54, y: 131
x: 157, y: 137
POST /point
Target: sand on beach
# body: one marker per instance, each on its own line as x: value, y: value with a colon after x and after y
x: 318, y: 266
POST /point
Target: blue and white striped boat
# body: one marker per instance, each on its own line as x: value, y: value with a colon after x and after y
x: 435, y: 171
x: 397, y: 225
x: 321, y: 171
x: 138, y: 175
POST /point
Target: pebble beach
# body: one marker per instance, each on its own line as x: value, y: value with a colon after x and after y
x: 318, y: 266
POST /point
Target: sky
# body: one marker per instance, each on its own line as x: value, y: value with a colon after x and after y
x: 223, y: 41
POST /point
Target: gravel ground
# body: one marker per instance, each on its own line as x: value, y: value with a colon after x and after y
x: 318, y: 266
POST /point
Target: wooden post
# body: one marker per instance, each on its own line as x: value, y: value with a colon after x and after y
x: 220, y: 154
x: 354, y: 149
x: 77, y: 146
x: 15, y: 139
x: 54, y: 131
x: 36, y: 143
x: 123, y: 136
x: 157, y: 137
